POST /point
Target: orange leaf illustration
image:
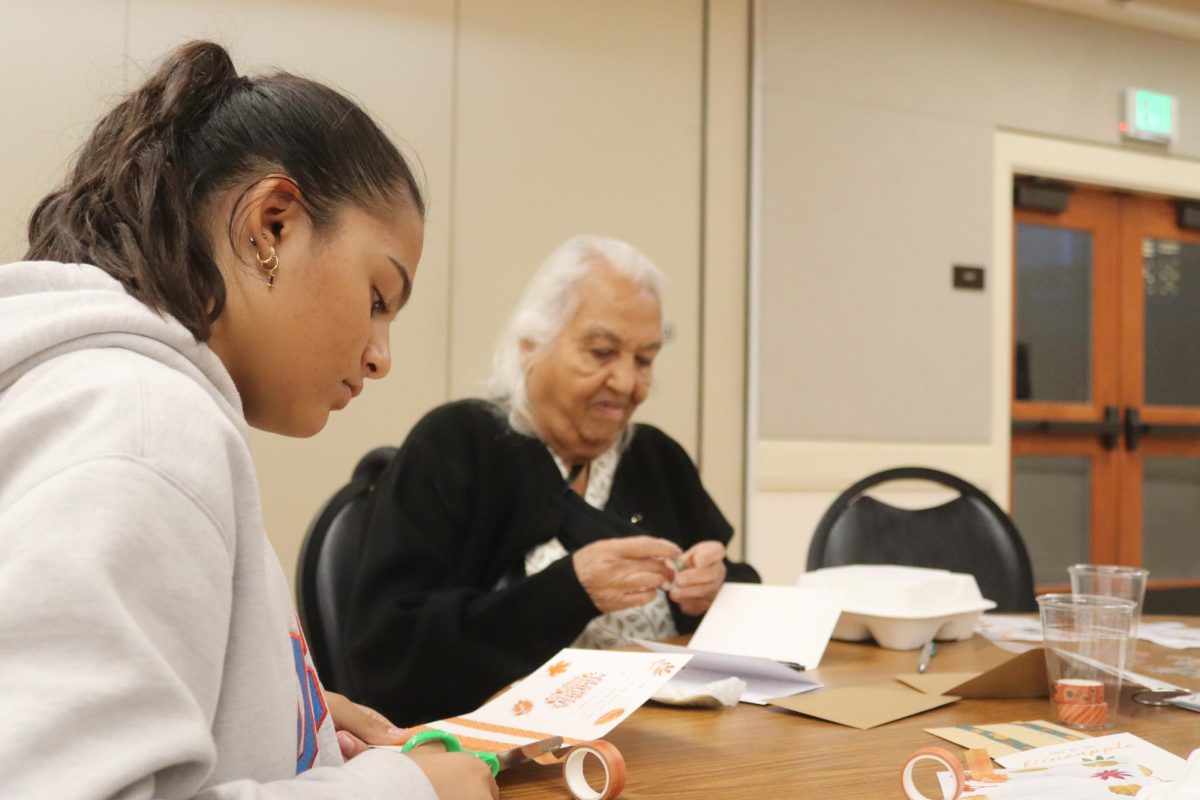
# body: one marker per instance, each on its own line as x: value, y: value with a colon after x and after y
x: 558, y: 669
x: 609, y: 716
x: 662, y: 667
x: 522, y: 707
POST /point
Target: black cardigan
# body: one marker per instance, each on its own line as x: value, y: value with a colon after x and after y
x: 457, y: 510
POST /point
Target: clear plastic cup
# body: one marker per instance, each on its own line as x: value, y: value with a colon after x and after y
x: 1110, y: 580
x: 1086, y: 639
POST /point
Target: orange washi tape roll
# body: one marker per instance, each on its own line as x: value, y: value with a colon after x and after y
x: 1078, y: 692
x: 940, y: 756
x: 1082, y: 713
x: 614, y: 770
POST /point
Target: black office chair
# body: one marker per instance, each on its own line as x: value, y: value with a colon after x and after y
x: 328, y: 560
x: 969, y: 534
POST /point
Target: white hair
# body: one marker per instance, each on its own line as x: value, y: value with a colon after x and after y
x: 549, y: 302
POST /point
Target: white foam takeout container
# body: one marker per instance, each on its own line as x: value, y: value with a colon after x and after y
x: 902, y: 608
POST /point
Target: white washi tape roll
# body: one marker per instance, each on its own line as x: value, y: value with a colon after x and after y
x: 614, y: 771
x: 939, y: 756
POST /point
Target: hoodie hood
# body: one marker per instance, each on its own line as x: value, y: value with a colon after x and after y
x: 48, y: 309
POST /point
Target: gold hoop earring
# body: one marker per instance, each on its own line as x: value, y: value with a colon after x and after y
x: 270, y: 264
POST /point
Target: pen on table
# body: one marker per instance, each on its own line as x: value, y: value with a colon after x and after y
x: 926, y: 653
x: 793, y: 665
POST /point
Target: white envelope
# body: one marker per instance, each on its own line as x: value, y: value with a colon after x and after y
x: 790, y: 624
x: 764, y: 678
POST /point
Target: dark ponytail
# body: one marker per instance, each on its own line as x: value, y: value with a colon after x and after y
x: 135, y: 203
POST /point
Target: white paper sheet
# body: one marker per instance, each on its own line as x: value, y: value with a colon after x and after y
x: 1189, y: 701
x: 999, y: 628
x: 1128, y: 676
x: 782, y: 623
x: 1174, y: 635
x: 764, y: 678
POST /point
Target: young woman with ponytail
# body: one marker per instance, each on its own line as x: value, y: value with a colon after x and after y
x: 225, y: 251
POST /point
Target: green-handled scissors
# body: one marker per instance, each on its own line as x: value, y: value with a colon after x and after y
x: 495, y: 761
x: 452, y: 745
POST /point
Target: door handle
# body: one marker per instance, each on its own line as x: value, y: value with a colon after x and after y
x: 1135, y: 429
x: 1108, y: 429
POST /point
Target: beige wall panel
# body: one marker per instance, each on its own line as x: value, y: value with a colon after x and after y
x: 876, y: 137
x: 726, y: 195
x: 577, y: 117
x: 990, y: 61
x: 396, y: 59
x: 863, y: 335
x: 63, y: 64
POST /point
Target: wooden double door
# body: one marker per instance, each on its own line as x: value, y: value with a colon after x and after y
x: 1106, y: 394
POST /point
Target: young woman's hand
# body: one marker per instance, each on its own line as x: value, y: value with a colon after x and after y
x: 456, y: 776
x: 358, y: 726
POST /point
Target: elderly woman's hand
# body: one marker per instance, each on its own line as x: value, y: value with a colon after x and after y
x: 626, y: 572
x: 697, y: 585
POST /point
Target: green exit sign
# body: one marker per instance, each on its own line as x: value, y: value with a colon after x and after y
x: 1150, y: 116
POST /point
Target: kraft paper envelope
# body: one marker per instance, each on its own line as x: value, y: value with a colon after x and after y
x: 862, y: 707
x: 1023, y: 675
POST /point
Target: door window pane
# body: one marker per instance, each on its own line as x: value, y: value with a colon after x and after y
x: 1052, y: 497
x: 1171, y: 517
x: 1054, y: 314
x: 1171, y: 275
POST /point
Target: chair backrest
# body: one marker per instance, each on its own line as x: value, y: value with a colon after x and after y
x: 327, y: 565
x: 969, y: 534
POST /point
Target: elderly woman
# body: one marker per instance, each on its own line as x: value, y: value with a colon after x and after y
x: 506, y: 529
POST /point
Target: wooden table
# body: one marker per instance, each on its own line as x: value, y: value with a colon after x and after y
x: 762, y: 752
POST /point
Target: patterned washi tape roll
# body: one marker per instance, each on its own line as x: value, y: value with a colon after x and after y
x: 1078, y: 692
x: 940, y: 756
x: 1082, y: 713
x: 614, y: 770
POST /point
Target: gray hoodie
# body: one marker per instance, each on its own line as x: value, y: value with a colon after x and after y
x: 148, y: 644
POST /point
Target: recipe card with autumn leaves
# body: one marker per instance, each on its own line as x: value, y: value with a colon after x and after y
x: 579, y: 695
